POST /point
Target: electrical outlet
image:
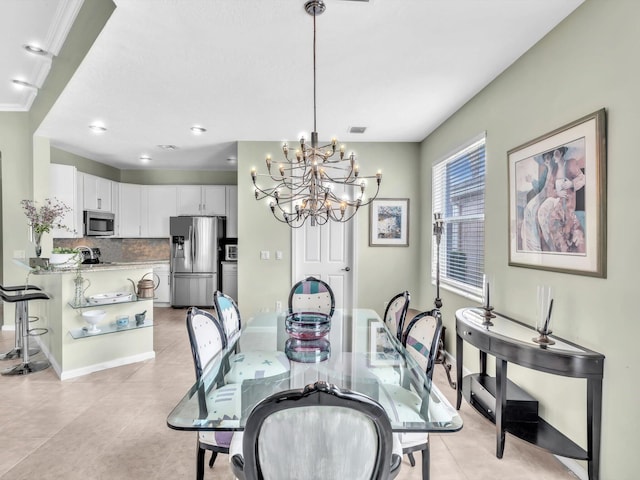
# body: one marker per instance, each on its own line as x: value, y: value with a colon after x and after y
x: 264, y: 254
x: 278, y: 254
x: 278, y: 306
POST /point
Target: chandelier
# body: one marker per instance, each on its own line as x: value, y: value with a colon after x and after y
x: 317, y: 182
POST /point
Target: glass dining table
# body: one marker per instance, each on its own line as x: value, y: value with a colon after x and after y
x: 358, y: 354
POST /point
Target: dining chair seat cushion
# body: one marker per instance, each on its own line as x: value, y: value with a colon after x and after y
x: 256, y: 364
x: 388, y: 375
x: 224, y: 403
x: 403, y: 405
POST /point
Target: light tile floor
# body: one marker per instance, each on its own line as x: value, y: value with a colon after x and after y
x: 112, y: 425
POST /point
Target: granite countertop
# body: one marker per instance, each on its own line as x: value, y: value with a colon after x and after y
x: 96, y: 267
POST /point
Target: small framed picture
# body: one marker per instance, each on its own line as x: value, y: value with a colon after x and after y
x: 557, y: 199
x: 389, y: 222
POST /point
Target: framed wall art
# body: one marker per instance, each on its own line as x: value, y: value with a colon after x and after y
x: 389, y: 222
x: 557, y: 199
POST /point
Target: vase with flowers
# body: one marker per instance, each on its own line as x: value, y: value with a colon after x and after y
x: 42, y: 219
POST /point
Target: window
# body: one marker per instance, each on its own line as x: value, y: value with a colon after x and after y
x: 458, y: 195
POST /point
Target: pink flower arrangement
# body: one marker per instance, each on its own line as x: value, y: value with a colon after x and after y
x: 46, y: 217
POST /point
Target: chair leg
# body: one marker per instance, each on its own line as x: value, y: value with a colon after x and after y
x: 200, y: 464
x: 213, y: 459
x: 412, y: 460
x: 426, y: 461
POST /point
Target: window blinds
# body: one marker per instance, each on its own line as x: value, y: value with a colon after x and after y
x: 458, y: 194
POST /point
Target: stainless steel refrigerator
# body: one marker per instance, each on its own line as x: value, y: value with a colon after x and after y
x: 195, y: 243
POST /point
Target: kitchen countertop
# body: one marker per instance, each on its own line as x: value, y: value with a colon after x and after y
x: 95, y: 267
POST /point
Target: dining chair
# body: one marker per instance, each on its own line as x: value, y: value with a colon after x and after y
x: 396, y: 313
x: 317, y: 433
x: 206, y: 339
x: 420, y: 339
x: 249, y: 365
x: 312, y: 295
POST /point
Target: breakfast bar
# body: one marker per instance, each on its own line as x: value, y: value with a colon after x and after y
x: 75, y: 347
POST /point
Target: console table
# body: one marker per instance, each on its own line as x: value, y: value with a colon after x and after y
x: 514, y: 410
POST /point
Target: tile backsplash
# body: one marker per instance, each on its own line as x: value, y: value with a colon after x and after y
x: 122, y: 249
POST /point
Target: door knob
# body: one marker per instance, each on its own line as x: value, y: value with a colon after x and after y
x: 346, y: 269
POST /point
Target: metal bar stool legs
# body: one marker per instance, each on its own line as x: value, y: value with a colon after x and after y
x: 22, y: 311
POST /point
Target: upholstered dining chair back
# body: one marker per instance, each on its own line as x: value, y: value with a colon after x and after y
x: 396, y: 313
x: 312, y: 295
x: 421, y: 339
x: 206, y: 337
x: 318, y: 433
x: 229, y: 316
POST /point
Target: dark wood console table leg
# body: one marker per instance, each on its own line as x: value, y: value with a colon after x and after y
x: 501, y: 403
x: 594, y: 425
x: 483, y: 363
x: 459, y: 347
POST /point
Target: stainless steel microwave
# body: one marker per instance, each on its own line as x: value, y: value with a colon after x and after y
x: 98, y: 224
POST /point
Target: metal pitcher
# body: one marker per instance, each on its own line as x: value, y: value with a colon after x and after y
x: 146, y: 286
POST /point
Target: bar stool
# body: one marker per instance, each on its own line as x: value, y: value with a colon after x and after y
x: 16, y: 352
x: 22, y: 316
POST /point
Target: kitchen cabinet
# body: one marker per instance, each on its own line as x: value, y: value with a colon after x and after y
x: 232, y: 211
x: 130, y: 212
x: 201, y: 200
x: 63, y: 185
x: 97, y: 193
x: 161, y: 204
x: 162, y: 296
x: 230, y: 279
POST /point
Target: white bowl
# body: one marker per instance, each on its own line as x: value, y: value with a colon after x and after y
x: 93, y: 317
x: 61, y: 258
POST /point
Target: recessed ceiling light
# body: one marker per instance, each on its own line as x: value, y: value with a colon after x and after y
x: 145, y: 158
x: 168, y: 147
x: 97, y: 128
x: 23, y: 84
x: 36, y: 50
x: 357, y: 129
x: 198, y: 130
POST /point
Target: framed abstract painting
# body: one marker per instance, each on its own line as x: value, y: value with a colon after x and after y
x: 557, y: 199
x: 389, y: 222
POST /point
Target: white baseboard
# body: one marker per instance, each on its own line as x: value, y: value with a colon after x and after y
x: 570, y: 463
x: 96, y: 367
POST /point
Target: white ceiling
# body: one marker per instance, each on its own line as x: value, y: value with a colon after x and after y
x: 243, y: 70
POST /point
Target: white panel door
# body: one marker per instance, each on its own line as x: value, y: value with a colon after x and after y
x: 327, y: 252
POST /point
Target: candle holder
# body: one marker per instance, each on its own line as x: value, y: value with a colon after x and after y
x: 488, y: 309
x: 543, y: 322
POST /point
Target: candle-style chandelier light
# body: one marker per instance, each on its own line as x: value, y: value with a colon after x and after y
x: 313, y: 184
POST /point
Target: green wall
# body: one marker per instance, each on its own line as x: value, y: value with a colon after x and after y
x: 588, y: 62
x: 382, y: 272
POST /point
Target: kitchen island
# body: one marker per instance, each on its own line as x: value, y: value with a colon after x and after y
x: 71, y: 347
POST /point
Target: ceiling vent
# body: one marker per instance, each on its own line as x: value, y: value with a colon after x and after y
x: 357, y: 129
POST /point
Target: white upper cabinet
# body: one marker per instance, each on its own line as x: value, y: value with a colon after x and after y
x: 201, y: 200
x: 130, y: 213
x: 161, y: 206
x: 63, y: 185
x: 232, y: 211
x: 97, y: 193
